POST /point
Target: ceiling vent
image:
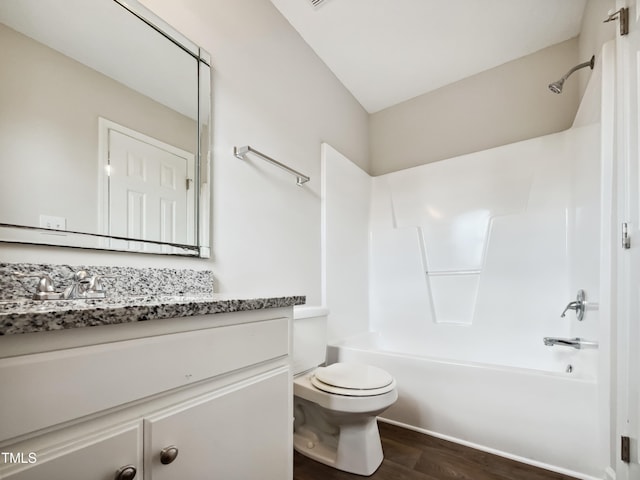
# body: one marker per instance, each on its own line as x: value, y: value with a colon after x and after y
x: 317, y: 3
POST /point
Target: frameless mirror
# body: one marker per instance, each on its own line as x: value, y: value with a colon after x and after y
x: 104, y: 128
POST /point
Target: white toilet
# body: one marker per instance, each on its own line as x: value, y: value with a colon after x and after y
x: 335, y: 407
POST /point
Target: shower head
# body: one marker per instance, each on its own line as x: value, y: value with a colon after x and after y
x: 556, y: 87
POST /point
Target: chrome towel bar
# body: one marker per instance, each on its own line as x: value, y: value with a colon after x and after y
x: 241, y: 152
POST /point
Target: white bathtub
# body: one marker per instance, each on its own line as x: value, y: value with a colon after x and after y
x: 538, y: 417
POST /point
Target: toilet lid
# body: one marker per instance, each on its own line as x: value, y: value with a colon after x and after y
x: 353, y: 376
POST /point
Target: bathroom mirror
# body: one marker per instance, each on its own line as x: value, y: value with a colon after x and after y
x: 104, y: 128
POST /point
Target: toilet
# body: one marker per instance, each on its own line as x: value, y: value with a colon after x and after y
x: 335, y: 407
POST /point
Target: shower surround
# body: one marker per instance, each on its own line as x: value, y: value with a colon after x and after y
x: 474, y: 258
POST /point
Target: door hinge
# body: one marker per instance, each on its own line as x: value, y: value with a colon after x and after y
x: 189, y: 183
x: 623, y: 16
x: 626, y: 239
x: 625, y: 449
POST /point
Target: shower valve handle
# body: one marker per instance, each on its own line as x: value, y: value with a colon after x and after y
x: 570, y: 306
x: 579, y: 305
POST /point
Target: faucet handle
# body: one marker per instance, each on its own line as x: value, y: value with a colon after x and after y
x: 579, y: 305
x: 44, y: 290
x: 95, y: 283
x: 570, y: 306
x: 45, y: 284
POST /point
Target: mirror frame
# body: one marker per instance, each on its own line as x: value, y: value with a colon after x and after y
x: 23, y: 234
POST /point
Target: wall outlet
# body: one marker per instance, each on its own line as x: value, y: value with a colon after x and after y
x: 53, y: 223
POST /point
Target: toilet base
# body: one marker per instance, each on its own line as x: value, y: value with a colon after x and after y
x: 348, y: 444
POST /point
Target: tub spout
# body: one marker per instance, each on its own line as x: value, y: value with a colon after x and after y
x: 570, y: 342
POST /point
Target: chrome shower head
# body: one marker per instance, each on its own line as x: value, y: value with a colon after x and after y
x: 556, y: 87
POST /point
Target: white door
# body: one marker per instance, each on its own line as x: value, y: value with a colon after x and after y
x: 238, y: 433
x: 628, y: 318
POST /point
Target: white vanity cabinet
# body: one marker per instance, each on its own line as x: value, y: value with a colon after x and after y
x: 207, y: 398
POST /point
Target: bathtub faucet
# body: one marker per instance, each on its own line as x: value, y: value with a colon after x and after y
x: 570, y: 342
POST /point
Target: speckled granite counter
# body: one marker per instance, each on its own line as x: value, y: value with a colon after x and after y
x: 37, y: 316
x: 133, y: 295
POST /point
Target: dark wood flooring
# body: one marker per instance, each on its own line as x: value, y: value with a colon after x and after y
x: 410, y: 455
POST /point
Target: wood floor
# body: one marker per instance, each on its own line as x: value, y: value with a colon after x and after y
x: 410, y: 455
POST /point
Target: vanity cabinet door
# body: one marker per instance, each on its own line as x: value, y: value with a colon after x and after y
x: 98, y: 457
x: 241, y: 432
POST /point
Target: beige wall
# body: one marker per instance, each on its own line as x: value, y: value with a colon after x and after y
x: 506, y: 104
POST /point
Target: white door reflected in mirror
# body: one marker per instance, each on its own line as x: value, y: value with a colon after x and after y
x: 148, y: 190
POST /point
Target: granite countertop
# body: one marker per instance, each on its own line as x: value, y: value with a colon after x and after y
x: 27, y: 316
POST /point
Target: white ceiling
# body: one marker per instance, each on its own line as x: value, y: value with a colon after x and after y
x: 388, y: 51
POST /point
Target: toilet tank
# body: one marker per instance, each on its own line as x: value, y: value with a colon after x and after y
x: 309, y: 338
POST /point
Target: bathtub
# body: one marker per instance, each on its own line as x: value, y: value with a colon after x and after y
x: 543, y: 418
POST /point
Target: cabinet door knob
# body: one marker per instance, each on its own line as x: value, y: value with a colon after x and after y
x: 128, y: 472
x: 168, y: 454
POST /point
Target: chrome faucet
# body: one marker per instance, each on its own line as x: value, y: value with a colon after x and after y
x: 570, y: 342
x: 86, y: 286
x: 83, y: 286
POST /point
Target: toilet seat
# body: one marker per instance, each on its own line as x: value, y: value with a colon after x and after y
x: 352, y: 379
